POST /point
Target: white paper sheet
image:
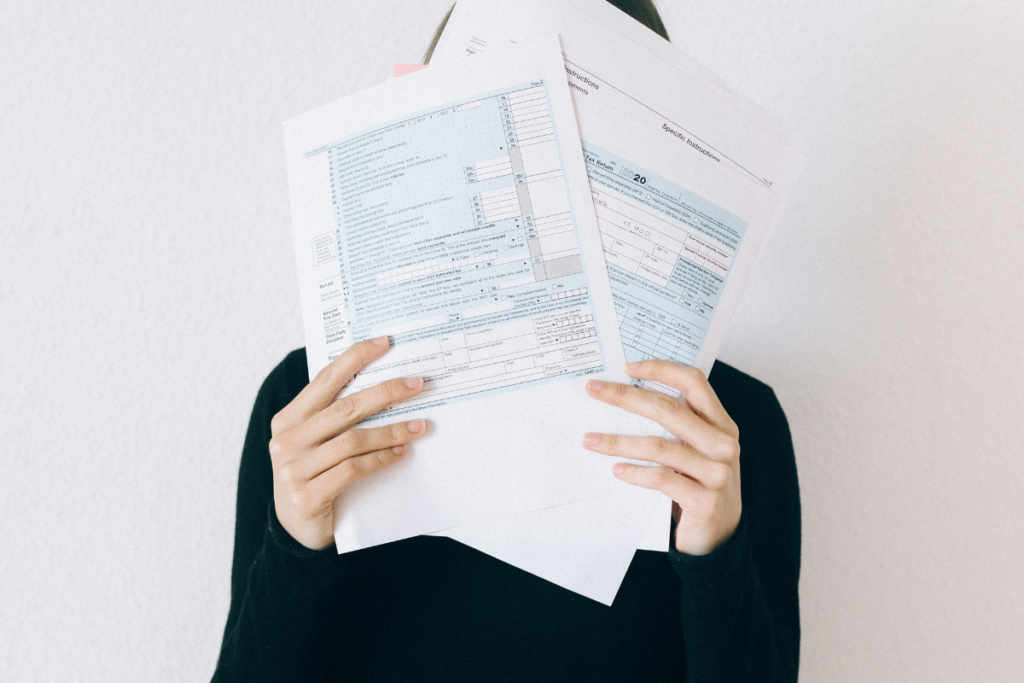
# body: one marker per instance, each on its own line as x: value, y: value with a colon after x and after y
x: 646, y: 106
x: 451, y: 210
x: 616, y: 20
x: 578, y: 546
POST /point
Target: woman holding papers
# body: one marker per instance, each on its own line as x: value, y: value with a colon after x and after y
x: 720, y: 605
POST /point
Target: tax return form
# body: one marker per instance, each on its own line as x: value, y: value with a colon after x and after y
x: 450, y: 210
x: 687, y: 180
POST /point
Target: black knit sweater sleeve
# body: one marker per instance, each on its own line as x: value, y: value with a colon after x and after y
x: 277, y: 584
x: 740, y: 607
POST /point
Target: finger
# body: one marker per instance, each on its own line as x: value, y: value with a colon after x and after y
x: 694, y: 385
x: 348, y: 411
x: 356, y: 442
x: 334, y: 481
x: 712, y: 474
x: 316, y: 395
x: 677, y: 418
x: 684, y: 491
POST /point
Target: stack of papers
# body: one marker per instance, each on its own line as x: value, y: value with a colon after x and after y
x: 559, y: 193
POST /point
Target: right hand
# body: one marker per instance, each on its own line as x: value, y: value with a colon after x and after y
x: 315, y: 452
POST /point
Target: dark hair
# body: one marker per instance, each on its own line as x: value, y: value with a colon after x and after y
x: 643, y: 11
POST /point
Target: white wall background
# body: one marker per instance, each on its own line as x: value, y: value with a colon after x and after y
x: 147, y: 286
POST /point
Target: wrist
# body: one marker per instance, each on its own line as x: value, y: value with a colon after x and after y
x: 713, y: 553
x: 288, y: 543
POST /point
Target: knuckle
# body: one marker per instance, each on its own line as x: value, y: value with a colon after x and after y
x: 345, y: 409
x: 395, y: 432
x: 381, y: 458
x: 352, y: 440
x: 388, y: 390
x: 718, y: 477
x: 286, y: 473
x: 275, y: 447
x: 659, y: 477
x: 609, y: 441
x: 277, y: 423
x: 328, y: 376
x: 657, y: 445
x: 665, y: 405
x: 727, y: 449
x: 349, y: 470
x: 324, y: 375
x: 694, y: 373
x: 692, y: 376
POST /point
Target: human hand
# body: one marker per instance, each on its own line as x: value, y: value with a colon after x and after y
x: 315, y: 452
x: 701, y: 474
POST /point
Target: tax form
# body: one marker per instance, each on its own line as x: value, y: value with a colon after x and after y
x: 477, y: 277
x: 450, y: 211
x: 668, y: 252
x: 687, y: 179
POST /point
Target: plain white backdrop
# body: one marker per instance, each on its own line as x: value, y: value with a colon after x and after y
x: 147, y: 286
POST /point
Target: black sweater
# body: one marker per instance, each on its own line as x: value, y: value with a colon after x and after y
x: 432, y: 609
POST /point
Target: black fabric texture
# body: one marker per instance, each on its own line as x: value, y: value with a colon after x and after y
x: 432, y: 609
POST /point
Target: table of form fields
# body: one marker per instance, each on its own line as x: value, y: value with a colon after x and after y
x: 668, y: 252
x: 455, y: 236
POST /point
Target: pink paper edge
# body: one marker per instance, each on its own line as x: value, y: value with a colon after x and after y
x: 403, y: 69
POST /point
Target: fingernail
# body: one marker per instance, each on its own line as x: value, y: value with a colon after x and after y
x: 632, y: 366
x: 591, y: 439
x: 415, y: 426
x: 380, y: 341
x: 618, y: 469
x: 595, y: 385
x: 413, y: 382
x: 399, y: 450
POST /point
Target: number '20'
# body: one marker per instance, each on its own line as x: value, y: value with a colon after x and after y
x: 637, y: 178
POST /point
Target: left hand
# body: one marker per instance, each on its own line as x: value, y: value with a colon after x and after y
x: 701, y: 473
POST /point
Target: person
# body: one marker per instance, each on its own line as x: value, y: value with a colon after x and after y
x: 719, y: 604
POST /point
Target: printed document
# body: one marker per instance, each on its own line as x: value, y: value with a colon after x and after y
x: 687, y: 179
x: 450, y: 210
